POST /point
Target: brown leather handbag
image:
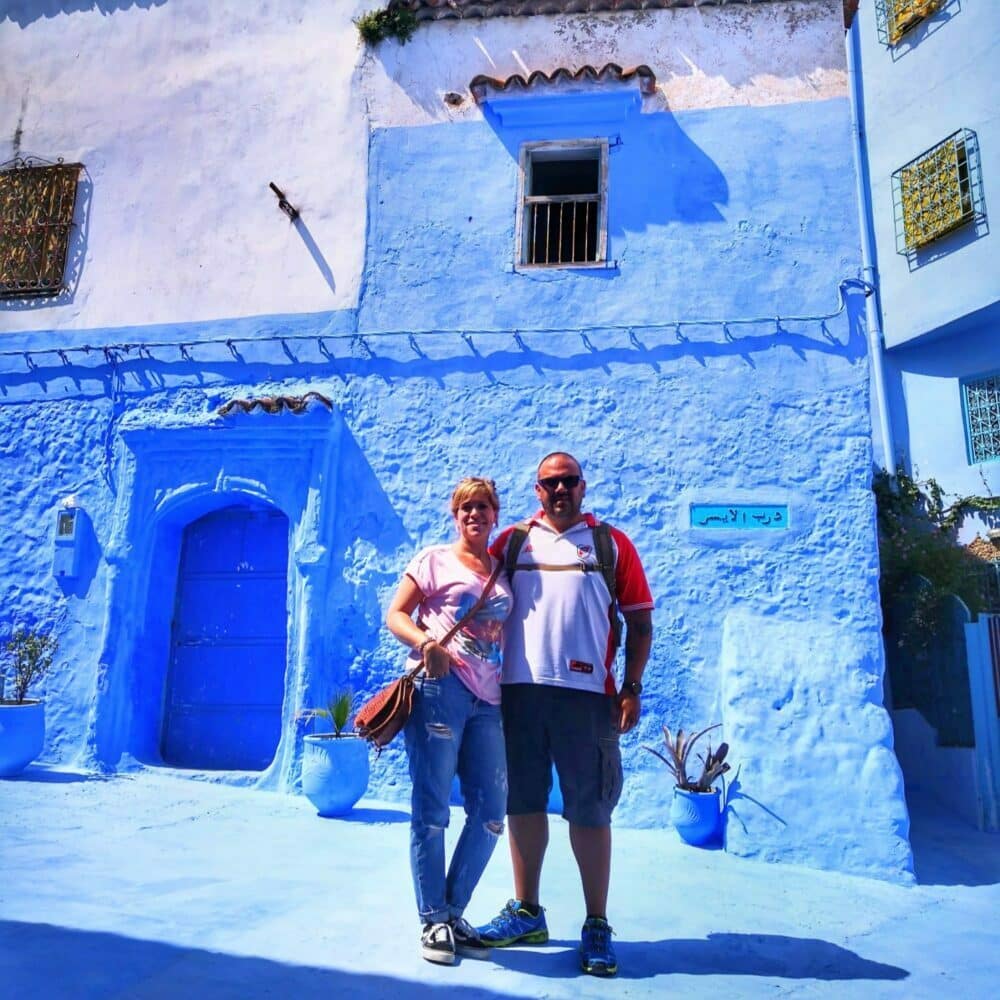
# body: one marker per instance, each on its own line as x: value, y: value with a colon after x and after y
x: 381, y: 718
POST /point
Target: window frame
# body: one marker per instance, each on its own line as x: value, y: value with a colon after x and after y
x: 563, y: 146
x: 966, y: 421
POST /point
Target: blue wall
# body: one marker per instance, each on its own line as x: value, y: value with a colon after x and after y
x: 702, y: 228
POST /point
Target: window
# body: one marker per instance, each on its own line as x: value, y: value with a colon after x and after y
x: 981, y: 402
x: 36, y: 215
x: 562, y: 220
x: 938, y: 191
x: 897, y: 17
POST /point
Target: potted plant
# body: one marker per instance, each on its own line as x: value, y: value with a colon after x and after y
x: 335, y: 763
x: 696, y: 808
x: 22, y: 719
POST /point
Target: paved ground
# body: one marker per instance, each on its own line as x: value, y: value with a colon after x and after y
x: 155, y: 886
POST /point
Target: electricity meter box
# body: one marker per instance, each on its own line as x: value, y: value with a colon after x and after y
x: 66, y: 559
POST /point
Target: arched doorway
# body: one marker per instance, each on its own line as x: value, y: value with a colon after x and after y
x: 225, y: 678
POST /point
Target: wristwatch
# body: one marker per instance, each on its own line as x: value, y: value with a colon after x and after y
x: 633, y: 687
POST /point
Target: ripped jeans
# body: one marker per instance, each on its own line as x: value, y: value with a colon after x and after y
x: 452, y: 731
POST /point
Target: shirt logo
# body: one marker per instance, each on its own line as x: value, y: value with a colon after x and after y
x: 579, y: 667
x: 526, y: 547
x: 582, y: 551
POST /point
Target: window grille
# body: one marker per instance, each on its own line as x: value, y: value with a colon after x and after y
x: 938, y: 191
x: 36, y: 215
x: 562, y: 220
x: 981, y: 402
x: 896, y: 17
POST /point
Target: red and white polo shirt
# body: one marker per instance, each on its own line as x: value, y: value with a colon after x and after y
x: 559, y: 631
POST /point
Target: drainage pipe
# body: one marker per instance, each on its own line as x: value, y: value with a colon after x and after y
x: 852, y: 43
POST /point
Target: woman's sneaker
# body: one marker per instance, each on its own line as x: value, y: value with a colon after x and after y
x: 597, y: 953
x: 468, y: 943
x: 515, y: 925
x: 437, y: 944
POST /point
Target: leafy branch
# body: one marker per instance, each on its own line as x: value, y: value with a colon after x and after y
x: 393, y: 21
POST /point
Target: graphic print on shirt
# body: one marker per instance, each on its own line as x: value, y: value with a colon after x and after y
x: 481, y: 636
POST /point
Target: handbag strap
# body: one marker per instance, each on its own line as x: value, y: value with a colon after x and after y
x: 453, y: 631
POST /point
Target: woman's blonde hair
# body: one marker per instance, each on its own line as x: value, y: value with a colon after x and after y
x: 473, y: 486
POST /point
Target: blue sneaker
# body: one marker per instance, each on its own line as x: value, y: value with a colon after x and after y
x: 515, y: 925
x: 597, y: 953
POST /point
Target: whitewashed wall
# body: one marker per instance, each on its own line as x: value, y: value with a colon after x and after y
x: 182, y: 112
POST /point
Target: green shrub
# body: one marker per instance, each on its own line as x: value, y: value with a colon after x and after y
x: 391, y: 22
x: 30, y: 652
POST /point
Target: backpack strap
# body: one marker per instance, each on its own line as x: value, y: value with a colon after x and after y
x: 518, y: 536
x: 604, y: 549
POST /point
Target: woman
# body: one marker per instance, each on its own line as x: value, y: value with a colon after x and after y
x: 455, y: 724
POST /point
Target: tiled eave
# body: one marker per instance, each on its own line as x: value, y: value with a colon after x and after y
x: 482, y: 86
x: 274, y: 404
x: 437, y: 10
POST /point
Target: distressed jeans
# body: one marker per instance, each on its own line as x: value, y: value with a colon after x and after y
x: 450, y: 732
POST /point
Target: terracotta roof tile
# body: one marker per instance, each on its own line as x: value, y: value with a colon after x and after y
x: 274, y: 404
x: 435, y: 10
x: 610, y: 72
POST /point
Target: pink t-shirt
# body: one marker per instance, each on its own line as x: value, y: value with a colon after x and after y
x: 450, y: 590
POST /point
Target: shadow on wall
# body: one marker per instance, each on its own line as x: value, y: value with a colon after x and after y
x: 685, y: 187
x: 367, y: 539
x: 25, y: 12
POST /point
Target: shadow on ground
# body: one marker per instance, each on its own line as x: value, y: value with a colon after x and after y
x: 95, y: 965
x: 947, y: 850
x: 774, y: 956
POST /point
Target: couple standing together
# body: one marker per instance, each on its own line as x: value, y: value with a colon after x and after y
x: 554, y: 585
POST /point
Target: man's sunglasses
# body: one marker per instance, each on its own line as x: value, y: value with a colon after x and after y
x: 551, y: 483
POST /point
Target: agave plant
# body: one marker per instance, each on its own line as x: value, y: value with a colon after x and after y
x: 337, y: 711
x: 679, y: 747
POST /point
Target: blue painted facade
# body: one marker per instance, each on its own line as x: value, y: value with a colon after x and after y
x: 939, y: 308
x: 719, y: 360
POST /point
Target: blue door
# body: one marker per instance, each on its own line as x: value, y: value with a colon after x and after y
x: 225, y: 681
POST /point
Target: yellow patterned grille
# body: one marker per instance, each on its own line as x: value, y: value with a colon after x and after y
x: 36, y: 214
x: 897, y: 17
x: 937, y: 192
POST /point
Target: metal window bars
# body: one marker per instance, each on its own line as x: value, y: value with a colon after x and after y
x: 981, y: 401
x: 896, y: 17
x: 938, y: 191
x: 562, y: 229
x: 37, y: 201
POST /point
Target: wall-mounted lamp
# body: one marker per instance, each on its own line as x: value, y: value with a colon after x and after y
x: 283, y: 203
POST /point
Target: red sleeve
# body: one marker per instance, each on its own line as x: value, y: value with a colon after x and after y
x: 499, y: 545
x: 630, y: 579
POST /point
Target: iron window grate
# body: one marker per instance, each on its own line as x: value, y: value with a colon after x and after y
x: 938, y: 191
x: 36, y: 215
x: 981, y: 403
x: 563, y: 211
x: 896, y: 17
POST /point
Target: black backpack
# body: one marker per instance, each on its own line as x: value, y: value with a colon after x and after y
x: 604, y: 550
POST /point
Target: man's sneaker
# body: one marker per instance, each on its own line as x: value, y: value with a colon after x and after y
x: 437, y: 944
x: 597, y: 953
x: 515, y: 925
x: 468, y: 943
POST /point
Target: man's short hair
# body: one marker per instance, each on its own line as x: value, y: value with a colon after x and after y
x: 560, y: 454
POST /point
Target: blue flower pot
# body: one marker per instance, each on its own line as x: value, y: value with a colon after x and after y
x: 334, y: 772
x: 696, y: 815
x: 22, y: 735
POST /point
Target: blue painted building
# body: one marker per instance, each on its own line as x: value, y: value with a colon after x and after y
x: 625, y: 234
x: 928, y: 98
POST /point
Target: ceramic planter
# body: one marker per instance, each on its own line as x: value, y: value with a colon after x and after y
x: 22, y: 735
x: 334, y: 772
x: 696, y: 815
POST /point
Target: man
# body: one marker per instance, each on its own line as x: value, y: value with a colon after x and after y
x: 559, y: 700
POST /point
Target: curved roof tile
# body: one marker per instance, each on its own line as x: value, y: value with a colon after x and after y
x: 274, y: 404
x: 609, y: 72
x: 437, y: 10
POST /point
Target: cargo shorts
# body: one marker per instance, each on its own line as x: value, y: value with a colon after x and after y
x: 575, y: 730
